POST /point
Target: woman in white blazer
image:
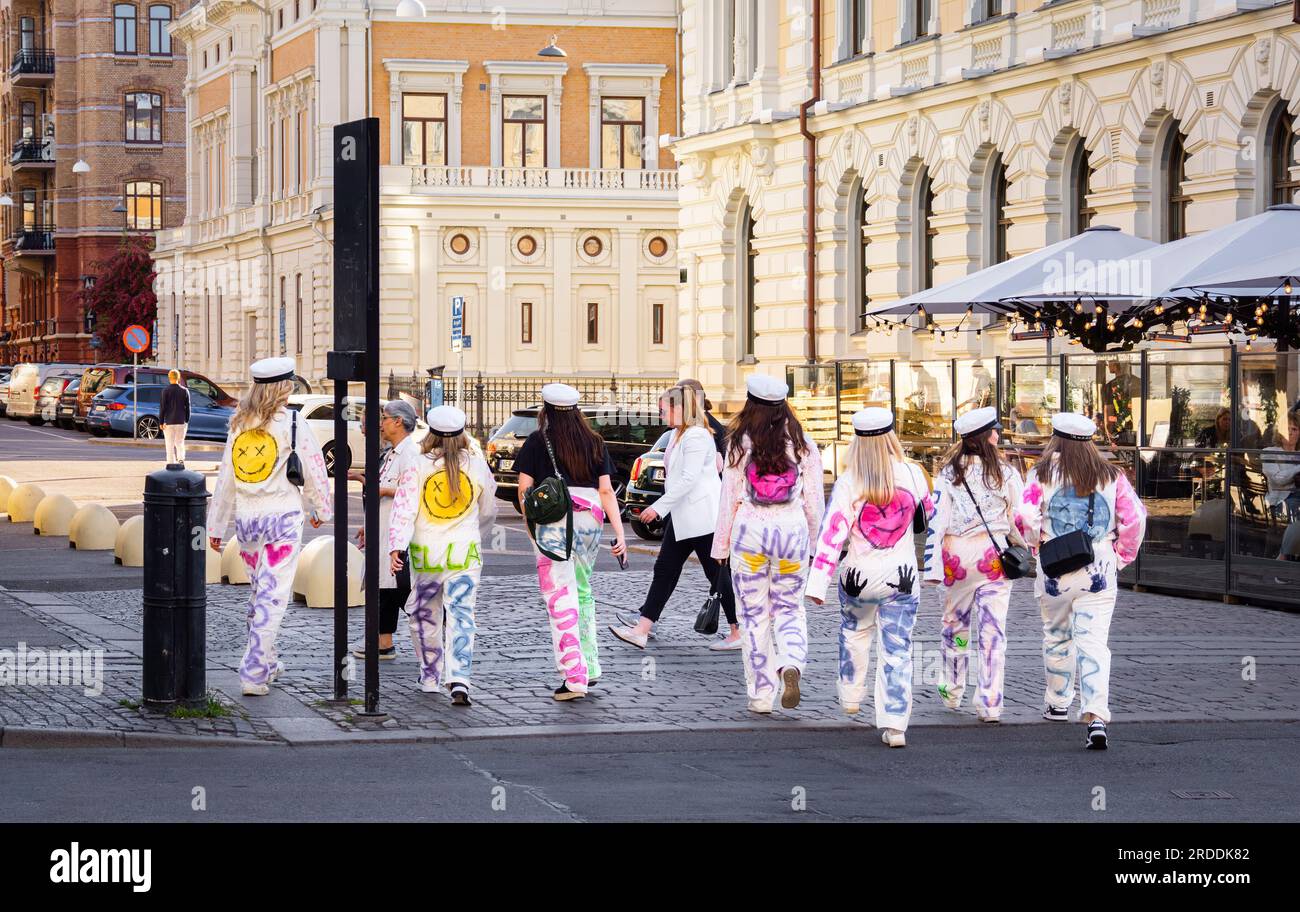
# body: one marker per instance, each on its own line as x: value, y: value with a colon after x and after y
x: 692, y: 491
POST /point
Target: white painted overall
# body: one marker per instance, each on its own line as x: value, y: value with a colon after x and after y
x: 566, y: 589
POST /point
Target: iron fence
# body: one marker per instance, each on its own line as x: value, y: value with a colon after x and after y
x: 490, y: 399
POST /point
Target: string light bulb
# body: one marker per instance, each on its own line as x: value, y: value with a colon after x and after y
x: 1287, y: 287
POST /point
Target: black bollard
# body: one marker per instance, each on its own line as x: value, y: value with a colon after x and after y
x: 175, y: 590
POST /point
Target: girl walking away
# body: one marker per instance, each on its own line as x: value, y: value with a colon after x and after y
x: 690, y: 501
x: 271, y: 474
x: 445, y: 500
x: 564, y: 447
x: 872, y: 510
x: 1082, y: 517
x: 976, y: 495
x: 772, y: 503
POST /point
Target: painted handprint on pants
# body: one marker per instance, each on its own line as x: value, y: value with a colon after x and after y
x: 878, y: 617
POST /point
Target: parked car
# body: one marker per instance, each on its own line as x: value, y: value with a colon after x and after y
x: 645, y: 485
x: 65, y: 413
x: 117, y: 409
x: 5, y: 373
x: 51, y: 391
x: 319, y: 412
x: 25, y: 386
x: 97, y: 377
x: 629, y: 433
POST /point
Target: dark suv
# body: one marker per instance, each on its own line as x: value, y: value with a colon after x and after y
x: 627, y: 432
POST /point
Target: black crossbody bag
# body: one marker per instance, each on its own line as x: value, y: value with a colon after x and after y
x: 1068, y: 552
x: 293, y: 465
x: 1014, y: 559
x: 548, y: 502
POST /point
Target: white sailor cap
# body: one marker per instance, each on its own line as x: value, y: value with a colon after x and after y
x: 977, y: 421
x: 273, y: 370
x: 873, y: 422
x: 1072, y: 426
x: 766, y: 389
x: 560, y: 395
x: 446, y: 421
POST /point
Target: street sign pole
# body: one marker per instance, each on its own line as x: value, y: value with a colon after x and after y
x: 135, y: 401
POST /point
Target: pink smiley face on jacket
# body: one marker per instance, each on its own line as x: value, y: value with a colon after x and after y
x: 884, y: 526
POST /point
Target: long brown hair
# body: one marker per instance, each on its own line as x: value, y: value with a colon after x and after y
x: 451, y: 450
x: 577, y: 446
x: 990, y: 457
x: 1077, y: 462
x: 768, y: 429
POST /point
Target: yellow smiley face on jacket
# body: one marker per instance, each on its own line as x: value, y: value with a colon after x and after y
x: 437, y: 500
x: 253, y: 455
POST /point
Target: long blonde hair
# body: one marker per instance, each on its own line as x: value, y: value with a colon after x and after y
x: 451, y: 450
x: 691, y: 405
x: 260, y: 405
x: 871, y: 463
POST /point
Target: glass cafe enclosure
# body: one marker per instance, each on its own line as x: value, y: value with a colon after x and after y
x: 1209, y: 437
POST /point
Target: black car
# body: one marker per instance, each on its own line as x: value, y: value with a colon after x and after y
x: 65, y: 413
x: 646, y: 485
x: 629, y: 433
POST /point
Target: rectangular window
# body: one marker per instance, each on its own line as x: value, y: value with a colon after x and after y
x: 593, y: 323
x: 622, y: 126
x: 284, y: 156
x: 29, y: 209
x: 143, y: 205
x: 160, y: 42
x: 221, y: 317
x: 221, y: 175
x: 297, y: 320
x: 526, y: 323
x: 304, y: 151
x: 144, y: 117
x: 207, y: 325
x: 27, y: 33
x: 284, y: 319
x: 657, y: 323
x: 124, y: 28
x: 523, y: 131
x: 29, y: 120
x: 921, y: 15
x: 424, y: 129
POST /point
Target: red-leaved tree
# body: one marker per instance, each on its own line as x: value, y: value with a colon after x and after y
x: 121, y: 296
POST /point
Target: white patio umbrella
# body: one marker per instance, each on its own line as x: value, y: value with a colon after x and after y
x: 1266, y: 258
x: 1055, y: 270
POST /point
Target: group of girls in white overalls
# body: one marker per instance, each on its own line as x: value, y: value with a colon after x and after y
x: 779, y: 538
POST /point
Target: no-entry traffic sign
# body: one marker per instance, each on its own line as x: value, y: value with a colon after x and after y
x: 135, y: 338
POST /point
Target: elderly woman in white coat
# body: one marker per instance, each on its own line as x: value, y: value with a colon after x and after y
x: 692, y: 489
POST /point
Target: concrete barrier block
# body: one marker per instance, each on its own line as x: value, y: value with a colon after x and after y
x: 319, y: 582
x: 308, y: 555
x: 94, y: 528
x: 23, y: 501
x: 54, y: 515
x: 212, y: 570
x: 7, y: 486
x: 233, y: 569
x: 128, y: 549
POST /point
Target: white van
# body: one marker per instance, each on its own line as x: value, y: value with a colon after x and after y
x: 25, y: 385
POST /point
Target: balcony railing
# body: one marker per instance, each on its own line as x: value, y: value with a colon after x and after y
x: 34, y: 239
x: 561, y: 179
x: 32, y: 62
x: 32, y: 151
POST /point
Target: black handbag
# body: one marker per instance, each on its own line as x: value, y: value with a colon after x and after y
x: 706, y: 622
x: 920, y: 523
x: 1014, y: 559
x: 293, y: 465
x: 1068, y: 552
x: 548, y: 502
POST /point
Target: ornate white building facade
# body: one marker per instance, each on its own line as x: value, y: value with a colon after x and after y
x: 951, y: 135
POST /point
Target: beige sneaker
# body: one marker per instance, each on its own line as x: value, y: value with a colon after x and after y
x: 756, y: 707
x: 893, y: 737
x: 790, y: 691
x: 629, y: 635
x: 255, y: 690
x: 852, y: 709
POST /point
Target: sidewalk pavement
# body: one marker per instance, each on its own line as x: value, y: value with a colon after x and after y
x: 1174, y: 659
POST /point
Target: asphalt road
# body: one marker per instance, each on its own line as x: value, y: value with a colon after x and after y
x: 968, y: 773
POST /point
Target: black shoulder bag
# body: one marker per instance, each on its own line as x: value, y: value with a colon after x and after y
x: 1014, y: 559
x: 293, y: 465
x: 548, y: 502
x: 1070, y: 551
x: 706, y: 622
x: 919, y: 521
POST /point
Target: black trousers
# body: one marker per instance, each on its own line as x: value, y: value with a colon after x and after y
x: 392, y: 600
x: 668, y: 570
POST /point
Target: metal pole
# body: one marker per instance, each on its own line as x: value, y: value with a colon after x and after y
x: 135, y: 386
x: 460, y: 378
x: 341, y: 465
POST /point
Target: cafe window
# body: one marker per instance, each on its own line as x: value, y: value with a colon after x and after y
x: 144, y: 205
x: 622, y: 127
x: 424, y: 129
x: 523, y: 131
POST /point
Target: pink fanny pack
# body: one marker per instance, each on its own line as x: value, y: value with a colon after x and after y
x: 771, y: 489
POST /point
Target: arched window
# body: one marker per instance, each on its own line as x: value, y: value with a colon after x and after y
x: 923, y: 246
x: 1080, y: 213
x: 160, y: 41
x: 1282, y: 157
x: 858, y: 242
x: 995, y: 215
x: 746, y: 257
x: 124, y: 28
x: 1174, y: 170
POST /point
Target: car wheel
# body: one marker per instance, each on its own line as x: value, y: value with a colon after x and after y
x: 99, y: 432
x: 648, y: 531
x: 36, y: 421
x: 148, y: 428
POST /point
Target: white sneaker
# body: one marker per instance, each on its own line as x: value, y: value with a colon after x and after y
x: 429, y: 687
x: 725, y: 645
x: 757, y: 707
x: 255, y: 690
x: 629, y: 635
x: 276, y: 672
x: 893, y: 737
x: 852, y: 709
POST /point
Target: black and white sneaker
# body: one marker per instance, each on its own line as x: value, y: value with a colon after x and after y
x: 563, y: 693
x: 1096, y: 735
x: 1052, y: 714
x: 459, y: 695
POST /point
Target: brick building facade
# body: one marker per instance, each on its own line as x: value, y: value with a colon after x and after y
x: 92, y: 121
